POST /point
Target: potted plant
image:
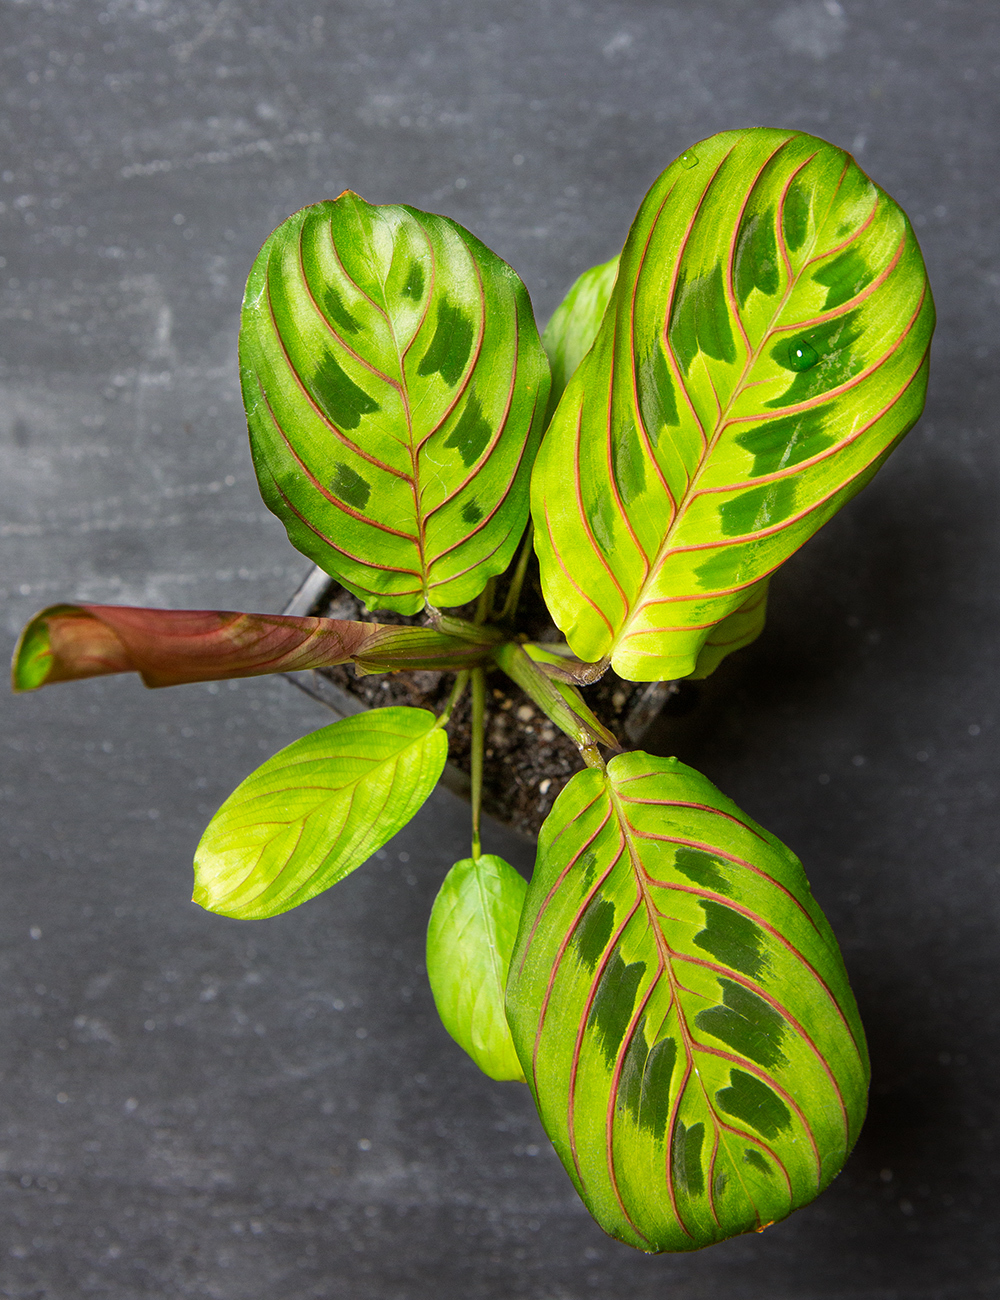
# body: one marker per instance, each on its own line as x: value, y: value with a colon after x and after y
x: 666, y: 984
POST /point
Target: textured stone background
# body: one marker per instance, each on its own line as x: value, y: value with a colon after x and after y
x: 195, y: 1107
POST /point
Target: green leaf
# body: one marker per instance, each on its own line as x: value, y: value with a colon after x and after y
x: 395, y: 385
x: 470, y: 938
x: 765, y: 346
x: 316, y: 810
x: 570, y: 333
x: 681, y: 1010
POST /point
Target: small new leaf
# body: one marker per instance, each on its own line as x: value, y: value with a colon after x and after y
x: 681, y: 1010
x: 316, y: 810
x: 571, y: 331
x: 470, y: 939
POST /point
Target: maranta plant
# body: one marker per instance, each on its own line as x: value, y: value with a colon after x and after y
x: 695, y: 410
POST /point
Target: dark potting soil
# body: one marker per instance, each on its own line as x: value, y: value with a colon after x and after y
x: 527, y: 759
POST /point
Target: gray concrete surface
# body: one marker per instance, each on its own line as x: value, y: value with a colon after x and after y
x: 196, y: 1107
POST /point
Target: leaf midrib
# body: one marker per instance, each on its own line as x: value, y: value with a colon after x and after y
x: 666, y: 955
x: 722, y: 419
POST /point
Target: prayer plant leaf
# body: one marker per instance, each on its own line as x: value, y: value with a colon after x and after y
x: 570, y: 333
x: 316, y: 810
x: 681, y: 1010
x: 470, y: 938
x: 171, y: 647
x: 395, y: 385
x: 765, y: 346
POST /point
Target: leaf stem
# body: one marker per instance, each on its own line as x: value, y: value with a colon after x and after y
x: 478, y: 740
x: 457, y: 691
x: 517, y: 580
x: 485, y: 603
x: 561, y: 704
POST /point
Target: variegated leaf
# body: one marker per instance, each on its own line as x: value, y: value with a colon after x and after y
x: 681, y: 1010
x: 395, y: 385
x: 765, y: 346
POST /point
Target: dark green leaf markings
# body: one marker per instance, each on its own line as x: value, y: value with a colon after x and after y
x: 846, y: 276
x: 757, y: 509
x: 698, y: 1063
x: 833, y: 343
x: 685, y: 1158
x: 414, y: 286
x: 752, y: 1101
x: 747, y: 1023
x: 629, y: 464
x: 451, y: 344
x: 778, y: 444
x: 471, y: 433
x: 700, y: 321
x: 338, y: 313
x: 594, y: 930
x: 756, y: 256
x: 657, y: 400
x: 795, y: 214
x: 350, y: 486
x: 703, y: 868
x: 339, y: 396
x: 645, y: 1081
x: 732, y: 937
x: 614, y: 1002
x: 754, y: 1158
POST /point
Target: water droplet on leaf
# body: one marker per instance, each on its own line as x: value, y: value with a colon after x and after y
x: 689, y: 158
x: 801, y: 356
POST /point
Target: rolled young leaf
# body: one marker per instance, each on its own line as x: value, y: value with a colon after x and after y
x: 316, y: 810
x: 681, y: 1010
x: 571, y: 331
x: 169, y: 647
x: 470, y: 938
x: 765, y: 346
x: 395, y: 386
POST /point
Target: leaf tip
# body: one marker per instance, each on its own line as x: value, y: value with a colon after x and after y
x: 31, y: 663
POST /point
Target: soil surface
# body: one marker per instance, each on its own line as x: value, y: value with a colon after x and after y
x: 527, y: 759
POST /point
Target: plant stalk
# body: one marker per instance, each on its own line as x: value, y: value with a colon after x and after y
x: 517, y: 581
x: 562, y: 705
x: 478, y: 741
x: 457, y: 691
